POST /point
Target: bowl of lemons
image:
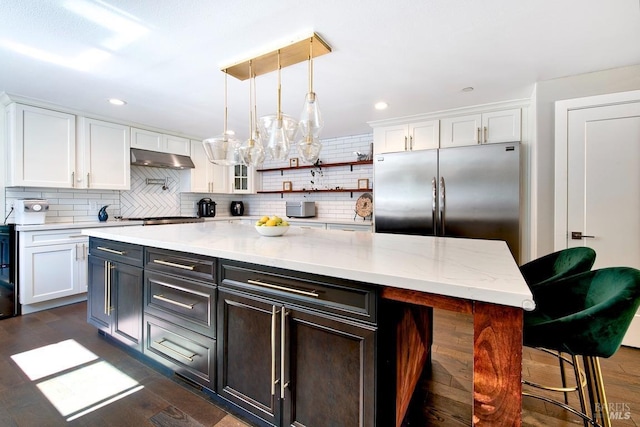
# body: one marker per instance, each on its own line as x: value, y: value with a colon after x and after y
x: 272, y: 226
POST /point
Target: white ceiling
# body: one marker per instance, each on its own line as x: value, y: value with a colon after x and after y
x: 164, y: 56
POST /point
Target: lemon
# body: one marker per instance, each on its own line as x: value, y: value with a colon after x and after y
x: 264, y: 219
x: 284, y: 223
x: 271, y: 223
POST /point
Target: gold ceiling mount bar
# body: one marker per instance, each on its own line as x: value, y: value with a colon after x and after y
x: 291, y: 54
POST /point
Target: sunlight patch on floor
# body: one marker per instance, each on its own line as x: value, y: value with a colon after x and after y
x: 73, y: 379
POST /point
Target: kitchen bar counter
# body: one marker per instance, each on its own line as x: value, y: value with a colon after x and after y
x: 479, y: 277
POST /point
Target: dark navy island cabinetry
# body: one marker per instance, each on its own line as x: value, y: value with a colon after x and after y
x: 282, y: 347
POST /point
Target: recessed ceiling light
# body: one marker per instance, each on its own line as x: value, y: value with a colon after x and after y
x: 381, y: 105
x: 467, y: 89
x: 116, y: 101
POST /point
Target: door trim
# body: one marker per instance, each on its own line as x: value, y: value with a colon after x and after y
x: 561, y: 179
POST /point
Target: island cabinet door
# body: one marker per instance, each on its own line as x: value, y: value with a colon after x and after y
x: 115, y: 300
x: 98, y: 307
x: 249, y: 354
x: 329, y: 373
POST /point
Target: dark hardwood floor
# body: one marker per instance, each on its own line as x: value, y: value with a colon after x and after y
x: 443, y: 397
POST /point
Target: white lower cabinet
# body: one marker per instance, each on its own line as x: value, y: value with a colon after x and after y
x: 53, y: 264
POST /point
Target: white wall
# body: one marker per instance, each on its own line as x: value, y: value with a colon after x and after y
x: 547, y: 92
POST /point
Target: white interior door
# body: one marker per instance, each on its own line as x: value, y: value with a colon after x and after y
x: 603, y: 186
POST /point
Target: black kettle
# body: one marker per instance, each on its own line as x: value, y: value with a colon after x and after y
x: 206, y: 208
x: 237, y: 208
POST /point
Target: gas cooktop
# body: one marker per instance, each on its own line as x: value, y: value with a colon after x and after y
x: 159, y: 220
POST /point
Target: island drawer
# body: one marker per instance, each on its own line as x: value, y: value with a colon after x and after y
x: 181, y: 264
x: 184, y: 302
x: 345, y: 298
x: 188, y: 353
x: 126, y: 253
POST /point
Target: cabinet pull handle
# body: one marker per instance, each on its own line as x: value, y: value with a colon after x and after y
x: 161, y: 344
x: 283, y: 340
x: 73, y: 180
x: 106, y: 286
x: 274, y: 313
x: 77, y: 252
x: 485, y: 134
x: 411, y: 142
x: 173, y: 264
x: 84, y: 251
x: 75, y: 236
x: 478, y: 140
x: 405, y: 143
x: 174, y: 302
x: 88, y: 186
x: 284, y: 288
x: 111, y: 251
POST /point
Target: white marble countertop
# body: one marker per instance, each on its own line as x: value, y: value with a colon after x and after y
x: 75, y: 225
x: 475, y: 269
x: 294, y: 220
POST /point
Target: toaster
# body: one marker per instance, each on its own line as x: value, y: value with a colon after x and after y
x: 301, y: 209
x: 30, y: 211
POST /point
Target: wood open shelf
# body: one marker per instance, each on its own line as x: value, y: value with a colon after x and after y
x: 341, y: 190
x: 322, y: 165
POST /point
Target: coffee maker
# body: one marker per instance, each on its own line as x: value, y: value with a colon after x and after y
x: 237, y: 208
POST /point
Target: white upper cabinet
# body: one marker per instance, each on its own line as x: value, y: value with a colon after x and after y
x: 41, y: 147
x: 485, y: 128
x: 205, y: 177
x: 156, y: 141
x: 406, y: 137
x: 243, y: 179
x: 176, y: 144
x: 103, y: 155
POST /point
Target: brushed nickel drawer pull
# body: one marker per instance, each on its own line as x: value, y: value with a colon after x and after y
x: 173, y: 264
x: 174, y: 302
x: 75, y: 236
x: 111, y: 251
x: 189, y: 358
x: 284, y: 288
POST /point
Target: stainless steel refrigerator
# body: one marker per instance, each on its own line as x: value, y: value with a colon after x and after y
x: 471, y: 191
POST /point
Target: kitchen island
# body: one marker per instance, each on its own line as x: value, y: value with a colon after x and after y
x: 418, y: 273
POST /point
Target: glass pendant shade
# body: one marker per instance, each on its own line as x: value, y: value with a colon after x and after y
x: 222, y: 150
x: 309, y: 149
x: 252, y: 152
x: 266, y: 125
x: 310, y: 118
x: 278, y: 143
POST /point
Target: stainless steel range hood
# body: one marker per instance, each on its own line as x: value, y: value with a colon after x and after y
x: 160, y: 160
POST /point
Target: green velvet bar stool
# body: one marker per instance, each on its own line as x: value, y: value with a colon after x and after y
x: 547, y: 269
x: 557, y: 265
x: 587, y: 316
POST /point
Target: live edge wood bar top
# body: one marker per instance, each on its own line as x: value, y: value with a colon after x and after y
x: 465, y: 275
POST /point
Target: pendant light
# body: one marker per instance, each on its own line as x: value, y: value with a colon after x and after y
x: 310, y: 120
x: 278, y: 130
x: 251, y: 151
x: 223, y: 149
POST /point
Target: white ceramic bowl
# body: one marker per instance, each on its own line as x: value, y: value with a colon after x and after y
x: 272, y: 231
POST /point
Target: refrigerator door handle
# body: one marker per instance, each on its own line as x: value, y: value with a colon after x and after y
x: 443, y: 198
x: 434, y: 197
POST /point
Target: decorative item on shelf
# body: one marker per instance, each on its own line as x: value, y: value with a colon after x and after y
x: 223, y: 149
x: 293, y: 162
x: 252, y: 151
x: 364, y: 207
x: 287, y: 186
x: 279, y: 135
x: 310, y: 120
x: 363, y: 184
